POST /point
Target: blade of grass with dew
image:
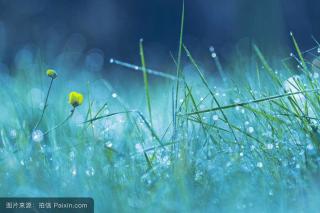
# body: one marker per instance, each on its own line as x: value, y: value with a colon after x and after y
x: 264, y: 62
x: 252, y: 101
x: 106, y: 116
x: 152, y: 131
x: 258, y: 76
x: 149, y: 71
x: 303, y: 63
x: 220, y: 69
x: 207, y: 86
x: 179, y: 56
x: 145, y: 80
x: 196, y: 107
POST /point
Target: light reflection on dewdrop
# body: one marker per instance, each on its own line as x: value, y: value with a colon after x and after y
x: 150, y: 71
x: 37, y: 136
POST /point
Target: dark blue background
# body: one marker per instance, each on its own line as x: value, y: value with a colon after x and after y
x: 115, y: 26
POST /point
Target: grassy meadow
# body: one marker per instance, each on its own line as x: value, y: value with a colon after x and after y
x: 181, y: 141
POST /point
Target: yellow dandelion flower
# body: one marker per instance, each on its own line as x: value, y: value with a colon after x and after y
x: 75, y: 99
x: 52, y: 73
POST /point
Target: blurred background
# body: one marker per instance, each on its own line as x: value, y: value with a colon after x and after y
x: 102, y: 29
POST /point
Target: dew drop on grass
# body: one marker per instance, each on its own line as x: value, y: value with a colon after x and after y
x: 37, y: 136
x: 114, y: 95
x: 318, y: 50
x: 198, y: 176
x: 241, y: 154
x: 270, y: 193
x: 72, y: 155
x: 215, y: 117
x: 111, y: 60
x: 90, y: 172
x: 108, y: 145
x: 139, y: 148
x: 250, y: 129
x: 316, y: 75
x: 269, y: 146
x: 74, y: 171
x: 146, y: 179
x: 259, y: 164
x: 310, y: 147
x: 13, y: 134
x: 213, y: 55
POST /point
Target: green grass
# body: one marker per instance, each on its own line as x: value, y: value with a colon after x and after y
x: 250, y: 144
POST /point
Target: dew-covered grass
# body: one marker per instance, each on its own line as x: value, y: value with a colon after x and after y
x: 243, y: 140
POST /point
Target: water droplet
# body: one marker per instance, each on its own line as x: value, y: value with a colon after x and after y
x: 72, y: 155
x: 310, y: 147
x: 259, y: 164
x: 316, y: 75
x: 90, y: 171
x: 318, y: 50
x: 13, y: 134
x: 241, y: 154
x: 213, y: 55
x: 269, y: 146
x: 198, y: 176
x: 139, y: 148
x: 250, y: 129
x: 37, y: 136
x: 111, y: 60
x: 215, y: 117
x: 114, y: 95
x: 108, y: 145
x: 271, y: 193
x: 74, y: 171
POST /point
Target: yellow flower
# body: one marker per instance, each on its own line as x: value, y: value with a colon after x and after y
x: 52, y: 73
x: 75, y: 99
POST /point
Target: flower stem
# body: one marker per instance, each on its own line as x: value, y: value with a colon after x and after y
x: 60, y: 124
x: 45, y: 105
